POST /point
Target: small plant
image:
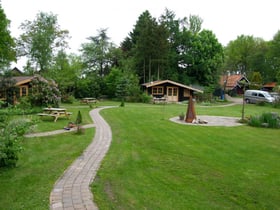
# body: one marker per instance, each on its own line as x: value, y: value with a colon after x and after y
x: 79, y: 120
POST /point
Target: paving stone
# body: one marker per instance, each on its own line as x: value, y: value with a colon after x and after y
x: 72, y: 190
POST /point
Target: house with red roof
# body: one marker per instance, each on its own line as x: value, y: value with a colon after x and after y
x: 233, y: 83
x: 269, y: 86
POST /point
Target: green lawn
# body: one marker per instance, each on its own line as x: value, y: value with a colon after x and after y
x: 41, y: 163
x: 154, y: 163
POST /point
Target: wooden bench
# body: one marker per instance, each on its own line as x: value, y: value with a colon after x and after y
x: 88, y: 101
x: 55, y: 115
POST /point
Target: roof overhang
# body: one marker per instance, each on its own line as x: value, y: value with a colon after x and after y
x: 160, y: 82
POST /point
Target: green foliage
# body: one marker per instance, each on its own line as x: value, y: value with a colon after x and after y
x: 268, y: 119
x: 96, y: 53
x: 8, y: 88
x: 79, y: 118
x: 44, y: 92
x: 66, y: 71
x: 68, y: 99
x: 146, y: 98
x: 7, y: 44
x: 89, y: 86
x: 24, y: 103
x: 10, y: 140
x: 256, y: 81
x: 40, y: 40
x: 78, y: 122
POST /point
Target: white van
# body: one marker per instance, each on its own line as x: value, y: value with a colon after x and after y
x: 256, y: 96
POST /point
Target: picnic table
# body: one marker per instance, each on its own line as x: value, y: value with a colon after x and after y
x: 88, y: 100
x: 55, y: 113
x: 159, y: 100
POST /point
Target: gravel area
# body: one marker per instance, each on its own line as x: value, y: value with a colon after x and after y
x: 210, y: 121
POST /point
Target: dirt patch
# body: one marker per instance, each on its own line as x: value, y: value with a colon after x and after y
x: 211, y: 121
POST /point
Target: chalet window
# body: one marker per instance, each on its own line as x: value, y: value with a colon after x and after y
x: 24, y: 91
x: 169, y: 91
x: 175, y: 91
x: 157, y: 90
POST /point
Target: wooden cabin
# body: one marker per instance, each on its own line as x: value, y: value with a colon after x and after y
x: 169, y: 91
x: 23, y: 84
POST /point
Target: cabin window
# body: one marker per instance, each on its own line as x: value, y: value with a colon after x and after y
x: 157, y: 90
x: 24, y: 91
x: 175, y: 91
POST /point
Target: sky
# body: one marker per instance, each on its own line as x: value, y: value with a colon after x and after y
x: 227, y: 19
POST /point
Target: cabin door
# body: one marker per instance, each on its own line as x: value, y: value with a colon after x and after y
x: 172, y: 94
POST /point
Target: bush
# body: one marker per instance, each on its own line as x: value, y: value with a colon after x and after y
x: 68, y: 99
x: 11, y: 136
x: 145, y: 98
x: 269, y: 119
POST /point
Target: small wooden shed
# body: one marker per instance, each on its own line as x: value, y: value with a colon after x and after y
x: 169, y: 91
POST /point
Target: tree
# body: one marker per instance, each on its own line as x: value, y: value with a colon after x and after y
x: 66, y: 71
x: 239, y: 54
x: 41, y: 40
x: 274, y: 58
x: 96, y: 53
x: 256, y: 81
x: 8, y: 88
x: 7, y: 44
x: 149, y: 45
x: 201, y: 56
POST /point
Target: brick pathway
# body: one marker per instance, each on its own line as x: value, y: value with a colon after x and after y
x: 72, y: 190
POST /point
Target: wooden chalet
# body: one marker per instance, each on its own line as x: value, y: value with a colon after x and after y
x: 169, y: 91
x: 231, y: 83
x: 23, y: 84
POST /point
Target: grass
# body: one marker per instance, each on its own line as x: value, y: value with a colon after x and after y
x: 156, y: 164
x: 47, y: 123
x: 41, y: 163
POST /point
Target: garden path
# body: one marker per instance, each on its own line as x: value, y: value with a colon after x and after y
x: 72, y: 190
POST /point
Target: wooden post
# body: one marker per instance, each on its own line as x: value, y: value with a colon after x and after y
x: 190, y: 116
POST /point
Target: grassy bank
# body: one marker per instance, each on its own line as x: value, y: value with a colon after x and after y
x: 154, y: 163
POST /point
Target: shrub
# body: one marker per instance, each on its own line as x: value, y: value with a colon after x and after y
x: 79, y: 120
x: 11, y: 136
x: 269, y: 119
x: 44, y: 92
x: 69, y: 99
x: 145, y: 98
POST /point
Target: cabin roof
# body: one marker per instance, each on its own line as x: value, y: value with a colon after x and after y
x: 160, y: 82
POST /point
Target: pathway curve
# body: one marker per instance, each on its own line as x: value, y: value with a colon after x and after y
x: 72, y: 190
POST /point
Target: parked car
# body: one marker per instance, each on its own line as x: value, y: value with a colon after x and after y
x: 256, y: 96
x: 275, y: 95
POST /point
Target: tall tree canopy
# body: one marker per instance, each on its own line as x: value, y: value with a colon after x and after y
x: 274, y: 57
x: 148, y: 45
x: 239, y: 54
x: 7, y: 44
x: 41, y: 40
x: 174, y: 49
x: 96, y: 54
